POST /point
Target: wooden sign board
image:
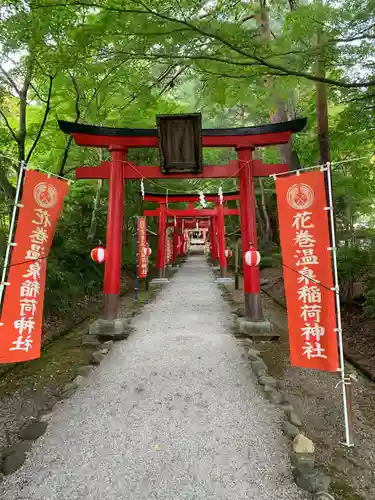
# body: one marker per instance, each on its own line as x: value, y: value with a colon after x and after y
x: 180, y: 143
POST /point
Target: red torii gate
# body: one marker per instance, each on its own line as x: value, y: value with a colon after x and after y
x: 118, y: 141
x: 182, y: 224
x: 216, y: 216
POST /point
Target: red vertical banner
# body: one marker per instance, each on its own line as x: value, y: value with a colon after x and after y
x: 305, y: 242
x: 142, y: 245
x: 22, y: 312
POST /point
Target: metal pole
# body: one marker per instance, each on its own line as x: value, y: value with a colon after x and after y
x: 10, y: 243
x: 345, y: 381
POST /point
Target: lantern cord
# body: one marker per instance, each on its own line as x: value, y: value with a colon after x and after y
x: 29, y: 261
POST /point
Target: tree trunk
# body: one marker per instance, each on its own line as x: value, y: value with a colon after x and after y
x: 260, y: 225
x: 321, y: 98
x: 267, y: 231
x: 23, y: 107
x: 322, y: 114
x: 99, y: 187
x: 285, y: 150
x: 285, y: 106
x: 94, y: 219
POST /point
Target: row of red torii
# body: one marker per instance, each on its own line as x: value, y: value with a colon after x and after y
x: 118, y: 141
x: 212, y: 220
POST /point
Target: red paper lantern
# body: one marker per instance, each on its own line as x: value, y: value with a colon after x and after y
x: 99, y: 254
x: 147, y: 251
x: 252, y: 258
x: 228, y: 253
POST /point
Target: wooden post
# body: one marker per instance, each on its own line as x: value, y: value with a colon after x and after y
x: 112, y: 271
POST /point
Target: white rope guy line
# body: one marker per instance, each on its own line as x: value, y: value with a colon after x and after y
x: 322, y: 166
x: 70, y: 181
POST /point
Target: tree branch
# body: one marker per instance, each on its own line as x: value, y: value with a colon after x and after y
x: 42, y: 125
x: 37, y: 94
x: 78, y: 114
x: 8, y: 188
x: 170, y: 84
x: 9, y: 127
x: 352, y: 39
x: 215, y: 36
x: 10, y: 80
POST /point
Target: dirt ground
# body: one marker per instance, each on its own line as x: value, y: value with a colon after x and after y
x: 318, y: 400
x: 358, y: 330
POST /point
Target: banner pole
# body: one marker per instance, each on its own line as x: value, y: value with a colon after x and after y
x: 3, y: 283
x: 345, y: 381
x: 137, y: 263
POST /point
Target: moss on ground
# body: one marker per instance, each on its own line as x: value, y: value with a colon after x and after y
x: 59, y: 362
x: 342, y: 491
x: 61, y: 358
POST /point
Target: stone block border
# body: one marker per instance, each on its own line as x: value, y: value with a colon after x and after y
x: 102, y: 335
x: 302, y: 454
x: 13, y: 457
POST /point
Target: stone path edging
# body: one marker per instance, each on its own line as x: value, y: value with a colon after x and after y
x: 305, y: 475
x: 14, y: 456
x: 302, y: 456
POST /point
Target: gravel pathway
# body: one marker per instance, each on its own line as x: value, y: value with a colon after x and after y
x: 173, y: 413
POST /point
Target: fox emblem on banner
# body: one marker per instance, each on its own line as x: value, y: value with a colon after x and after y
x: 22, y: 311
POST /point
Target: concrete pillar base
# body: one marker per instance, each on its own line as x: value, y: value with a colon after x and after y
x: 225, y: 281
x: 256, y: 330
x: 105, y: 329
x: 159, y: 281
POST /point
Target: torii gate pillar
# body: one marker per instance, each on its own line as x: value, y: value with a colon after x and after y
x: 221, y: 239
x: 213, y: 240
x: 112, y: 270
x: 161, y: 240
x: 176, y: 231
x: 251, y: 275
